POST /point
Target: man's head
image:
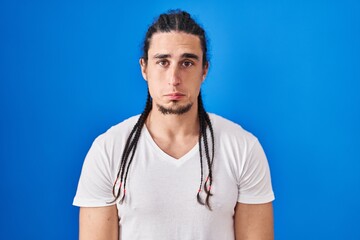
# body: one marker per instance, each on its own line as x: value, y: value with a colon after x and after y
x: 174, y: 61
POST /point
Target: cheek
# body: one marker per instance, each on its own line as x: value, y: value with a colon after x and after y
x: 155, y: 89
x: 156, y: 78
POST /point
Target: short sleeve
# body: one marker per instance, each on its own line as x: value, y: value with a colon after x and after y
x: 255, y: 182
x: 95, y: 183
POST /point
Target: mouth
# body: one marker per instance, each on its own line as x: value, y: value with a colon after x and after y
x: 175, y: 96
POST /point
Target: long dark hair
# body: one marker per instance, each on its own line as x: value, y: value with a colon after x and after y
x: 174, y: 20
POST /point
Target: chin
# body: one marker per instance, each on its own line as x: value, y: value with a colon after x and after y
x: 176, y: 109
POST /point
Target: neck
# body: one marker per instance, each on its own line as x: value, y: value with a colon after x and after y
x: 173, y: 125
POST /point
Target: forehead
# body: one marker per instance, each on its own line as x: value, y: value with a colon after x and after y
x: 174, y: 43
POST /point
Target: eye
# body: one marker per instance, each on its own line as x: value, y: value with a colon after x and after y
x: 163, y: 63
x: 187, y: 64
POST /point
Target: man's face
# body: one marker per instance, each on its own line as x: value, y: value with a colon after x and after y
x: 174, y: 71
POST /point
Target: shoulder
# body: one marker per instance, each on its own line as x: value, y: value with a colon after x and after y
x: 225, y: 128
x: 118, y: 132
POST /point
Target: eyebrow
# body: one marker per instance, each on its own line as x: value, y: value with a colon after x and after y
x: 184, y: 55
x: 161, y: 56
x: 190, y: 55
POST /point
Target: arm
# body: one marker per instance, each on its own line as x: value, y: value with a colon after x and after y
x: 254, y: 221
x: 99, y: 223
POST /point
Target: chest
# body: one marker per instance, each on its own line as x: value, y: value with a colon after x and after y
x: 176, y: 149
x: 160, y: 187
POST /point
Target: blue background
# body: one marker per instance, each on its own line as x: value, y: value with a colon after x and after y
x: 288, y: 71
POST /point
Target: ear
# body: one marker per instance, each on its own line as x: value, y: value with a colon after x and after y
x: 205, y: 70
x: 143, y: 68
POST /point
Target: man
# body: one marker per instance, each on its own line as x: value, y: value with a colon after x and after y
x: 175, y: 171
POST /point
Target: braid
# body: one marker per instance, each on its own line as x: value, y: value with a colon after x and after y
x: 204, y: 120
x: 130, y: 147
x: 201, y: 129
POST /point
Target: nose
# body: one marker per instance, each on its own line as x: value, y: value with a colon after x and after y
x: 174, y: 78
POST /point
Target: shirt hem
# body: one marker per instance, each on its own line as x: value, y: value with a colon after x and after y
x: 80, y: 202
x: 256, y: 200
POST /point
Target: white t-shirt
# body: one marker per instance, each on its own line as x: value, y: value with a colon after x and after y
x: 161, y: 191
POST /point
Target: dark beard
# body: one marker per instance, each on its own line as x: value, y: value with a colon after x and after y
x: 177, y: 110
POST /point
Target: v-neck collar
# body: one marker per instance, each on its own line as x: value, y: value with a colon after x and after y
x: 167, y: 157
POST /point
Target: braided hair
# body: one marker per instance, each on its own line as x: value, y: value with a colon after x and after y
x: 174, y: 20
